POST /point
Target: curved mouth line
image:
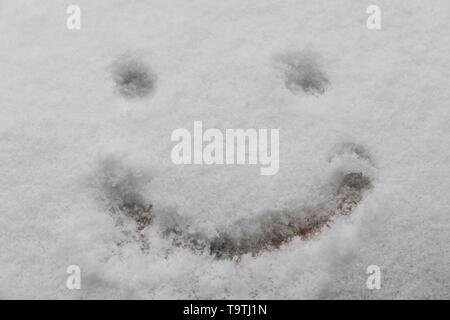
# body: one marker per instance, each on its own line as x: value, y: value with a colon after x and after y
x: 277, y: 228
x: 268, y: 231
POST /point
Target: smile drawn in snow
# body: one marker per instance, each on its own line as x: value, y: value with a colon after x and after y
x: 121, y: 189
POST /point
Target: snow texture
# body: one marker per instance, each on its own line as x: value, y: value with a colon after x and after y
x: 86, y: 177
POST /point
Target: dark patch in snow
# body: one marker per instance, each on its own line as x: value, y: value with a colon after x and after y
x: 302, y: 71
x: 121, y: 188
x: 133, y: 78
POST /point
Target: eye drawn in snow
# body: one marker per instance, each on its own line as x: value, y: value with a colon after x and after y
x: 133, y: 78
x: 302, y: 71
x: 247, y: 236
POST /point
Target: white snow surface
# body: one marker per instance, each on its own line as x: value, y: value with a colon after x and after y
x: 60, y: 117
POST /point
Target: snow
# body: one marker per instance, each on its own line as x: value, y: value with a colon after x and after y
x: 61, y: 118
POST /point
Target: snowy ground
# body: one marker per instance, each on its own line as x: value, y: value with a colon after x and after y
x: 62, y: 121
